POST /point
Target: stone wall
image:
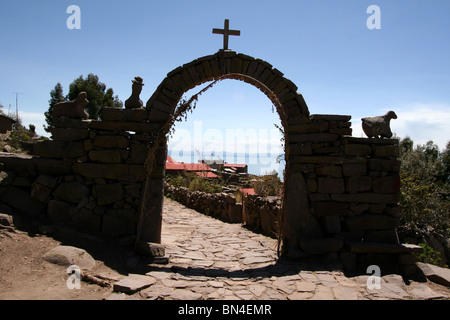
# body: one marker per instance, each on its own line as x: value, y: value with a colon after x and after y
x: 90, y: 175
x: 257, y: 213
x: 352, y: 187
x: 262, y: 214
x: 222, y: 206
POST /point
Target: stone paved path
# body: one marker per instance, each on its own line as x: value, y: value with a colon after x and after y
x: 210, y: 259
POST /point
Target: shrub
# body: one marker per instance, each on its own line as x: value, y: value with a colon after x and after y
x: 429, y: 255
x: 268, y: 185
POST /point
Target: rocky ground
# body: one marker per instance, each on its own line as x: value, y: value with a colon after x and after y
x: 208, y: 259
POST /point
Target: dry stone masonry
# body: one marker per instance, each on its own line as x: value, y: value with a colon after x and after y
x: 340, y: 195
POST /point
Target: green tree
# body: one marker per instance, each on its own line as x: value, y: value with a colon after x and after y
x: 56, y: 96
x: 424, y: 186
x: 445, y: 159
x: 97, y: 94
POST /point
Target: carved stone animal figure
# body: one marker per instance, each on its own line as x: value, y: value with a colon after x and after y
x: 72, y: 109
x: 133, y: 102
x: 378, y: 127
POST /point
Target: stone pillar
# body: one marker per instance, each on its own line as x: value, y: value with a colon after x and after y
x: 150, y: 220
x: 297, y: 221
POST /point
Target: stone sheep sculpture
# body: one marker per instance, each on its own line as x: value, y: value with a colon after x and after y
x: 72, y: 109
x: 378, y: 127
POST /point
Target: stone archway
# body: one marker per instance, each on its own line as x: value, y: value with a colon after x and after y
x: 293, y: 113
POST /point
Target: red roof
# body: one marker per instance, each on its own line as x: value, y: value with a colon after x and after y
x: 187, y: 166
x: 207, y: 174
x: 196, y: 167
x: 247, y: 191
x: 170, y: 160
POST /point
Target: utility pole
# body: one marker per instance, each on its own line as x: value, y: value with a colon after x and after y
x: 17, y: 107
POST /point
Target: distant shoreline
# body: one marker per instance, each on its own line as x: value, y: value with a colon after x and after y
x: 258, y: 164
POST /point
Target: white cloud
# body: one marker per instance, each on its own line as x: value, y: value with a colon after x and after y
x: 420, y: 121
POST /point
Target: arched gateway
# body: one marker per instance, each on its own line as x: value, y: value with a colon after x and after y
x: 293, y: 113
x: 340, y: 196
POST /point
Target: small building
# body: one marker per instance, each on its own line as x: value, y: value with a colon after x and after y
x: 214, y: 164
x: 241, y: 169
x: 6, y: 123
x: 177, y: 168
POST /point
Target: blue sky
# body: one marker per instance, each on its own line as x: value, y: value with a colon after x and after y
x: 324, y: 47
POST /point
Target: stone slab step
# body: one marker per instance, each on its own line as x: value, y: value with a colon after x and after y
x: 377, y: 247
x: 133, y: 283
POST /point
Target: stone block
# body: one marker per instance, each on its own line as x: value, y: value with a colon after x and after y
x: 40, y: 192
x: 366, y: 197
x: 357, y: 150
x: 108, y: 141
x: 331, y: 117
x: 436, y: 274
x: 407, y: 259
x: 366, y: 222
x: 50, y: 149
x: 87, y: 220
x: 97, y: 170
x: 133, y: 283
x: 377, y: 247
x: 300, y: 148
x: 313, y: 137
x: 72, y: 192
x: 331, y: 185
x: 119, y: 222
x: 316, y: 159
x: 63, y: 122
x: 384, y: 165
x: 358, y: 184
x: 150, y: 249
x: 331, y: 171
x: 139, y: 153
x: 105, y: 156
x: 21, y: 200
x: 385, y: 236
x: 116, y: 114
x: 313, y: 127
x: 6, y: 220
x: 331, y: 224
x: 386, y: 151
x: 69, y: 134
x: 58, y: 149
x: 330, y: 208
x: 158, y: 116
x: 390, y: 184
x: 354, y: 169
x: 47, y: 180
x: 108, y: 193
x: 59, y: 210
x: 322, y: 245
x: 122, y: 126
x: 68, y: 255
x: 133, y: 190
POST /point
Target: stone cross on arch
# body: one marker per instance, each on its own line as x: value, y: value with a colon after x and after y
x: 226, y: 33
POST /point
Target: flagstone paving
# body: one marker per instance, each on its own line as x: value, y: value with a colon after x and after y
x: 211, y: 259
